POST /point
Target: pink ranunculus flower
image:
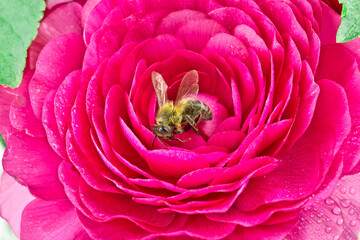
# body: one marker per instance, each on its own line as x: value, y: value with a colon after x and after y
x: 280, y: 158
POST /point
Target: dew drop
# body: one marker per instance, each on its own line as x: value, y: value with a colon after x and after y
x: 336, y: 210
x: 353, y: 223
x: 328, y: 229
x: 343, y: 190
x: 340, y: 221
x: 320, y: 215
x: 351, y: 211
x: 352, y: 191
x: 329, y: 201
x: 345, y: 203
x: 328, y: 219
x: 319, y: 221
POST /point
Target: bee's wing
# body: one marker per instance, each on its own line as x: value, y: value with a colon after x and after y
x: 160, y: 88
x: 189, y: 86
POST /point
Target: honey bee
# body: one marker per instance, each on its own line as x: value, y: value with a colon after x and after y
x: 175, y: 118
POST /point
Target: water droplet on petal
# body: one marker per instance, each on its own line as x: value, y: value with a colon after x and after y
x: 329, y: 201
x: 353, y: 223
x: 328, y: 229
x: 351, y: 211
x: 336, y: 211
x: 345, y: 203
x: 352, y: 191
x: 340, y: 221
x: 343, y: 190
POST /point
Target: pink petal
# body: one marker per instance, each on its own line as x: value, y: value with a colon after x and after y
x: 266, y: 140
x: 229, y: 124
x: 104, y: 148
x: 111, y: 74
x: 63, y: 20
x: 51, y: 220
x: 270, y: 214
x: 284, y: 19
x: 64, y: 100
x: 6, y: 97
x: 59, y: 57
x: 308, y: 93
x: 304, y: 159
x: 114, y: 109
x: 51, y: 3
x: 231, y: 17
x: 113, y: 230
x: 90, y: 168
x: 35, y: 164
x: 50, y: 125
x: 171, y: 22
x: 252, y: 39
x: 21, y: 114
x: 108, y: 206
x: 198, y: 177
x: 144, y: 29
x: 201, y: 227
x: 222, y: 139
x: 337, y: 217
x: 108, y: 12
x: 71, y: 179
x: 268, y: 232
x: 13, y: 199
x: 86, y: 10
x: 227, y: 45
x: 245, y: 82
x: 94, y: 97
x: 174, y: 163
x: 333, y: 129
x: 244, y: 168
x: 339, y: 64
x: 328, y: 30
x: 324, y: 136
x: 196, y: 33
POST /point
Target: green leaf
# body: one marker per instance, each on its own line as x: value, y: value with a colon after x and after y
x: 2, y: 141
x: 19, y: 20
x: 350, y: 21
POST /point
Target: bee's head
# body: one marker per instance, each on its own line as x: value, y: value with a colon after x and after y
x: 163, y: 131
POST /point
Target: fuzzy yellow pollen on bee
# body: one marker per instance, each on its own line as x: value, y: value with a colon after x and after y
x: 176, y: 118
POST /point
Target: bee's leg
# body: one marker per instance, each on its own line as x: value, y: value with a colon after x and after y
x: 160, y: 142
x: 192, y: 124
x: 153, y: 142
x: 178, y: 139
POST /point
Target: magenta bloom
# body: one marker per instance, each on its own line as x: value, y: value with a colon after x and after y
x: 280, y: 158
